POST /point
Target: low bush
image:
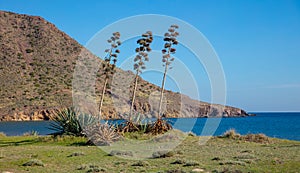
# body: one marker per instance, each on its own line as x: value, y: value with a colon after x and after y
x: 233, y: 162
x: 231, y: 134
x: 191, y: 163
x: 258, y: 138
x: 120, y: 153
x: 175, y: 171
x: 2, y: 134
x: 102, y: 134
x: 91, y: 168
x: 70, y: 122
x: 179, y: 161
x: 140, y: 163
x: 76, y: 154
x: 162, y: 154
x: 34, y: 162
x: 160, y: 127
x: 135, y: 124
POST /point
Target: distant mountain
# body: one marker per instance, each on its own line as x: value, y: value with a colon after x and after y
x: 37, y: 63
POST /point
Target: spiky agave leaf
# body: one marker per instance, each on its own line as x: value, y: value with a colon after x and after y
x: 69, y: 121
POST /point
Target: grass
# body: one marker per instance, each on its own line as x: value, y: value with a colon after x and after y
x: 71, y: 154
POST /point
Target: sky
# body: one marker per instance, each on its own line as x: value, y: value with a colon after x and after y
x: 257, y: 42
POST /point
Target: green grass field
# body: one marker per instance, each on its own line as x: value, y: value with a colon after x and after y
x: 70, y: 154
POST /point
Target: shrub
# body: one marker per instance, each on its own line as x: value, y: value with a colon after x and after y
x: 76, y: 154
x: 140, y: 163
x: 102, y: 134
x: 231, y: 134
x: 135, y: 124
x: 91, y: 168
x: 216, y: 159
x: 191, y: 163
x: 70, y: 122
x: 258, y: 138
x: 179, y: 161
x: 34, y: 162
x: 162, y: 154
x: 2, y: 134
x: 128, y: 126
x: 233, y: 162
x: 120, y: 153
x: 175, y: 171
x: 160, y: 126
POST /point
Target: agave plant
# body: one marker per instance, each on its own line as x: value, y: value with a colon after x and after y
x: 109, y: 63
x: 167, y: 59
x: 102, y: 134
x: 68, y: 121
x: 160, y: 126
x: 139, y: 61
x: 170, y: 38
x: 139, y: 65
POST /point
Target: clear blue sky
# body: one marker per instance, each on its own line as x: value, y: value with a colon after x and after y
x: 258, y: 42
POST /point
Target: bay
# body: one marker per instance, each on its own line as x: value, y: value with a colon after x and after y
x: 273, y: 124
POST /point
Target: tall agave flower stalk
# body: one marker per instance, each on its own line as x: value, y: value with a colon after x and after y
x: 139, y: 61
x: 167, y: 59
x: 109, y: 63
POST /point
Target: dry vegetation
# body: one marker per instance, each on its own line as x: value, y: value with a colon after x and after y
x: 70, y: 154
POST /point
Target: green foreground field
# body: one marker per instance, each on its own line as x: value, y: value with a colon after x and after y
x: 71, y: 154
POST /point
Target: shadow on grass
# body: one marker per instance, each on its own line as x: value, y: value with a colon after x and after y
x: 282, y: 146
x: 5, y: 143
x: 82, y: 143
x: 45, y: 140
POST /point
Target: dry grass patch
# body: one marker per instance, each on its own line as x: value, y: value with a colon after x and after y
x: 257, y: 138
x: 2, y: 134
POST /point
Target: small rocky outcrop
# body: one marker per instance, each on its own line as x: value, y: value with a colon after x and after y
x: 23, y: 116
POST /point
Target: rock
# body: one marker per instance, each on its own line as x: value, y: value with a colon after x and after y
x: 198, y: 170
x: 24, y: 116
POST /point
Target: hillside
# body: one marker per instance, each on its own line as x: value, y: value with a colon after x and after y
x: 37, y: 63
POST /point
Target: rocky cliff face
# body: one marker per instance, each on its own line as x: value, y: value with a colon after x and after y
x: 37, y: 63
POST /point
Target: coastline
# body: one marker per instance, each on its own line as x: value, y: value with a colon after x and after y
x: 275, y: 128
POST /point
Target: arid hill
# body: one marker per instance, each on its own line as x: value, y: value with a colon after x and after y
x: 37, y: 63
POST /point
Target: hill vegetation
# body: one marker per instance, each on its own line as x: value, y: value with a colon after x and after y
x: 37, y: 63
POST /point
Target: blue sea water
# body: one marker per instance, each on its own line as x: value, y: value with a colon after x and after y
x: 279, y: 125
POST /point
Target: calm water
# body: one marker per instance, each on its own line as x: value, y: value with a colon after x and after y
x: 279, y: 125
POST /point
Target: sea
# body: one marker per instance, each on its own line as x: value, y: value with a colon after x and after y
x: 285, y: 125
